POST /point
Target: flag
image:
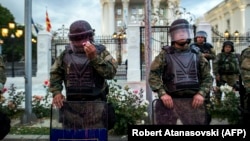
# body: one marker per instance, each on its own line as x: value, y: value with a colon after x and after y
x: 48, y: 25
x: 36, y: 29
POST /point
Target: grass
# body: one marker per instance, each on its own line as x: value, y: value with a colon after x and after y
x: 26, y: 130
x: 21, y: 129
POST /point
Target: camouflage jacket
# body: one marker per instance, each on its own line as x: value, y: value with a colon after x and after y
x: 226, y: 64
x: 206, y: 48
x: 3, y: 77
x: 245, y: 68
x: 158, y: 65
x: 104, y: 64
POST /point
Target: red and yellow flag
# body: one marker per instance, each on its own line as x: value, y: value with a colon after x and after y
x: 48, y: 25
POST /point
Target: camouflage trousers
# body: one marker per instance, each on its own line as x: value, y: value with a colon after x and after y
x: 246, y: 112
x: 182, y: 110
x: 230, y: 79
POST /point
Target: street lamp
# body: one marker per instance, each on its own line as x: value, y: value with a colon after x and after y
x: 229, y: 36
x: 13, y: 33
x: 1, y: 42
x: 119, y: 37
x: 226, y: 34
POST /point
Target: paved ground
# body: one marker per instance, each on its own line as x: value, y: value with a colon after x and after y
x: 46, y: 123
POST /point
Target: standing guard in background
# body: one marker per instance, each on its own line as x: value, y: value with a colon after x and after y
x: 226, y: 65
x: 4, y: 119
x: 206, y: 48
x: 245, y: 76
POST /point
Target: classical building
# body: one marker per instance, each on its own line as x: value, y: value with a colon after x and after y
x: 231, y: 16
x: 117, y: 14
x: 230, y: 19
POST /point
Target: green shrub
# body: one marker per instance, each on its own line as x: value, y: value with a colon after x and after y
x: 130, y: 107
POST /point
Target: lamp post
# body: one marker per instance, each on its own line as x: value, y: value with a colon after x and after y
x: 1, y: 42
x: 229, y: 36
x: 119, y: 37
x: 13, y: 33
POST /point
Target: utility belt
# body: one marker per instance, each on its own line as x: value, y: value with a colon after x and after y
x: 82, y: 97
x: 228, y: 73
x: 183, y: 94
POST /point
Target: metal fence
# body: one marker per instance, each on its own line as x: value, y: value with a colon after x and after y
x: 240, y: 42
x: 160, y: 38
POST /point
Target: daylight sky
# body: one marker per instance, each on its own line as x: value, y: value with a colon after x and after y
x: 64, y: 12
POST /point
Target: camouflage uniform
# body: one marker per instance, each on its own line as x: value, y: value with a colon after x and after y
x: 182, y: 103
x: 104, y: 64
x: 83, y: 67
x: 227, y: 77
x: 207, y: 48
x: 2, y: 74
x: 245, y: 75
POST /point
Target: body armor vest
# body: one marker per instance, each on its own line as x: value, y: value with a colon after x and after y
x: 80, y: 77
x: 204, y: 48
x: 181, y: 70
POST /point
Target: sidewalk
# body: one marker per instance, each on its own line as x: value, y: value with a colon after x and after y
x: 46, y: 138
x: 45, y: 123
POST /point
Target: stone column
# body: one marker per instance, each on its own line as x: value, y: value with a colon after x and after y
x: 205, y: 26
x: 125, y: 11
x: 105, y: 17
x: 111, y: 5
x: 133, y: 44
x: 43, y: 55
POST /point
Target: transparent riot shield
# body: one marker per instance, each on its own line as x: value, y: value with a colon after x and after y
x: 160, y: 114
x: 79, y: 120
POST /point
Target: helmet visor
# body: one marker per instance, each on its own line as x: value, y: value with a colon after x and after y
x: 80, y: 36
x: 181, y: 32
x: 201, y: 34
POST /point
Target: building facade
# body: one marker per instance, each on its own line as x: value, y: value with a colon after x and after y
x: 230, y: 19
x: 117, y: 14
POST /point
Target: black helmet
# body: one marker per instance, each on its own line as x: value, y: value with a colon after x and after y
x: 80, y: 30
x: 230, y: 43
x: 180, y: 24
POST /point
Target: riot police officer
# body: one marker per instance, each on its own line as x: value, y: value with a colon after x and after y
x: 206, y: 48
x: 82, y: 69
x: 179, y: 74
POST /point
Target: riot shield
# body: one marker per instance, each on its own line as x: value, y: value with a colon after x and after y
x: 79, y: 120
x: 160, y: 114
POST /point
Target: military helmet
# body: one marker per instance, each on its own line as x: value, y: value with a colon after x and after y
x: 230, y: 43
x: 201, y: 34
x: 80, y: 30
x: 180, y: 24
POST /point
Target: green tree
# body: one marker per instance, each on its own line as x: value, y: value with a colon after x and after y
x: 13, y: 47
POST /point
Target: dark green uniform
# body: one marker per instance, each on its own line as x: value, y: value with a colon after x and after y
x: 104, y: 64
x: 2, y: 74
x: 245, y: 75
x: 156, y: 70
x: 226, y: 65
x: 182, y: 98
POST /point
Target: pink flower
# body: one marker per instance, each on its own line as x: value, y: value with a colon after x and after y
x: 37, y: 97
x: 4, y: 89
x: 135, y: 91
x: 46, y: 83
x: 11, y: 105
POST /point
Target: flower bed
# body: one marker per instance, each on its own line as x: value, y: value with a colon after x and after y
x: 225, y: 105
